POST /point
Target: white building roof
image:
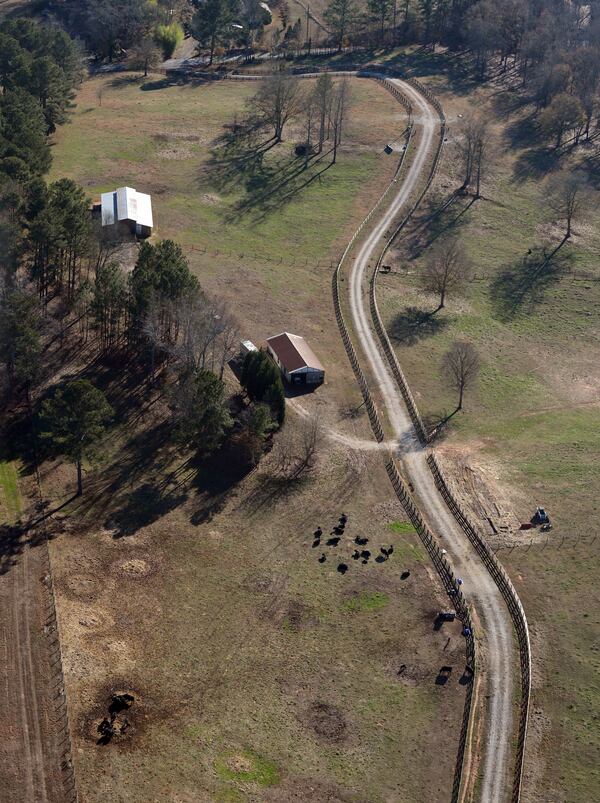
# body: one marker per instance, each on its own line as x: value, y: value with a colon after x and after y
x: 126, y: 204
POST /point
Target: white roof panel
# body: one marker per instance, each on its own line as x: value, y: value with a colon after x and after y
x: 144, y: 209
x: 126, y: 204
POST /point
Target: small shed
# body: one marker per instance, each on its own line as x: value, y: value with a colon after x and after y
x: 129, y: 208
x: 296, y: 360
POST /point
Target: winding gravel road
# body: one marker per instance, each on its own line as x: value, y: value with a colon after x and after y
x: 495, y: 631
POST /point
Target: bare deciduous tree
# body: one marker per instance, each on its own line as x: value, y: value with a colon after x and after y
x: 567, y: 196
x: 460, y: 366
x: 310, y: 110
x: 339, y: 109
x: 277, y: 101
x: 448, y: 268
x: 295, y: 450
x: 323, y: 94
x: 144, y: 56
x: 473, y: 149
x: 207, y: 332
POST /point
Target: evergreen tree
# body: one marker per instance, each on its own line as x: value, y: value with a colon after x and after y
x: 380, y: 11
x: 161, y: 276
x: 211, y: 24
x: 201, y: 414
x: 73, y: 421
x: 262, y: 381
x: 341, y: 15
x: 20, y: 346
x: 109, y: 300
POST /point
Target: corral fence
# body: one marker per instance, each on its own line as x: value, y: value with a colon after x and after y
x: 375, y: 314
x: 492, y: 564
x: 437, y: 556
x: 60, y: 721
x: 514, y: 605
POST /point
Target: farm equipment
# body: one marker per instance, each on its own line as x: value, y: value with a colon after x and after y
x: 540, y: 517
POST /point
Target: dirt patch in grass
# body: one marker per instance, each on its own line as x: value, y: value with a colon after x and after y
x: 82, y: 586
x: 137, y: 567
x: 327, y: 721
x: 247, y: 767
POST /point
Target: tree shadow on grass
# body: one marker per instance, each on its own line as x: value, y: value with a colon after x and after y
x: 136, y: 488
x: 143, y: 506
x: 213, y: 480
x: 413, y: 324
x: 443, y: 214
x: 535, y: 160
x: 243, y: 159
x: 536, y: 163
x: 523, y: 132
x: 125, y: 80
x: 522, y: 286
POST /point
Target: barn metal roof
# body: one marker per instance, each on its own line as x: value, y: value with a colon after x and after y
x: 294, y: 352
x: 126, y: 204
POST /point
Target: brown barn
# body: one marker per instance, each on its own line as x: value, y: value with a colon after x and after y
x: 296, y: 360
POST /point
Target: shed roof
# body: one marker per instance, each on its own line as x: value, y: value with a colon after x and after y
x: 126, y: 203
x: 294, y: 352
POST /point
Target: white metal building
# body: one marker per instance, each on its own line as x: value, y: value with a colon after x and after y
x: 130, y: 208
x: 296, y: 360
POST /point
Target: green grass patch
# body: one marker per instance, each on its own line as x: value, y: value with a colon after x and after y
x: 401, y: 527
x: 373, y: 601
x: 10, y: 498
x: 248, y: 767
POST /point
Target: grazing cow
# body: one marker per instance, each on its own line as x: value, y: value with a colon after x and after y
x: 333, y: 541
x: 361, y: 541
x: 342, y: 568
x: 316, y: 543
x: 323, y: 558
x: 355, y: 555
x: 365, y: 554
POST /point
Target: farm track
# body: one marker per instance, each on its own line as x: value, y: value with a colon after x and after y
x: 30, y: 758
x: 495, y: 636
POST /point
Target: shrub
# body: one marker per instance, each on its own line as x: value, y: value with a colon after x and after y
x: 168, y: 37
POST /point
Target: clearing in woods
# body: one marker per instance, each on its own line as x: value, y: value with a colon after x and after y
x: 529, y: 434
x: 253, y: 671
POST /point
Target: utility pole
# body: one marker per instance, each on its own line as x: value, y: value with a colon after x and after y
x: 308, y: 27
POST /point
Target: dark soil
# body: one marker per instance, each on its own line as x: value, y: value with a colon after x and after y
x: 327, y: 721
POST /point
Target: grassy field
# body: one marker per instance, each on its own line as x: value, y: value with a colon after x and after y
x: 530, y: 430
x: 258, y: 673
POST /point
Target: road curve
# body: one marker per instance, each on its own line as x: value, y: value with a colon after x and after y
x: 495, y: 634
